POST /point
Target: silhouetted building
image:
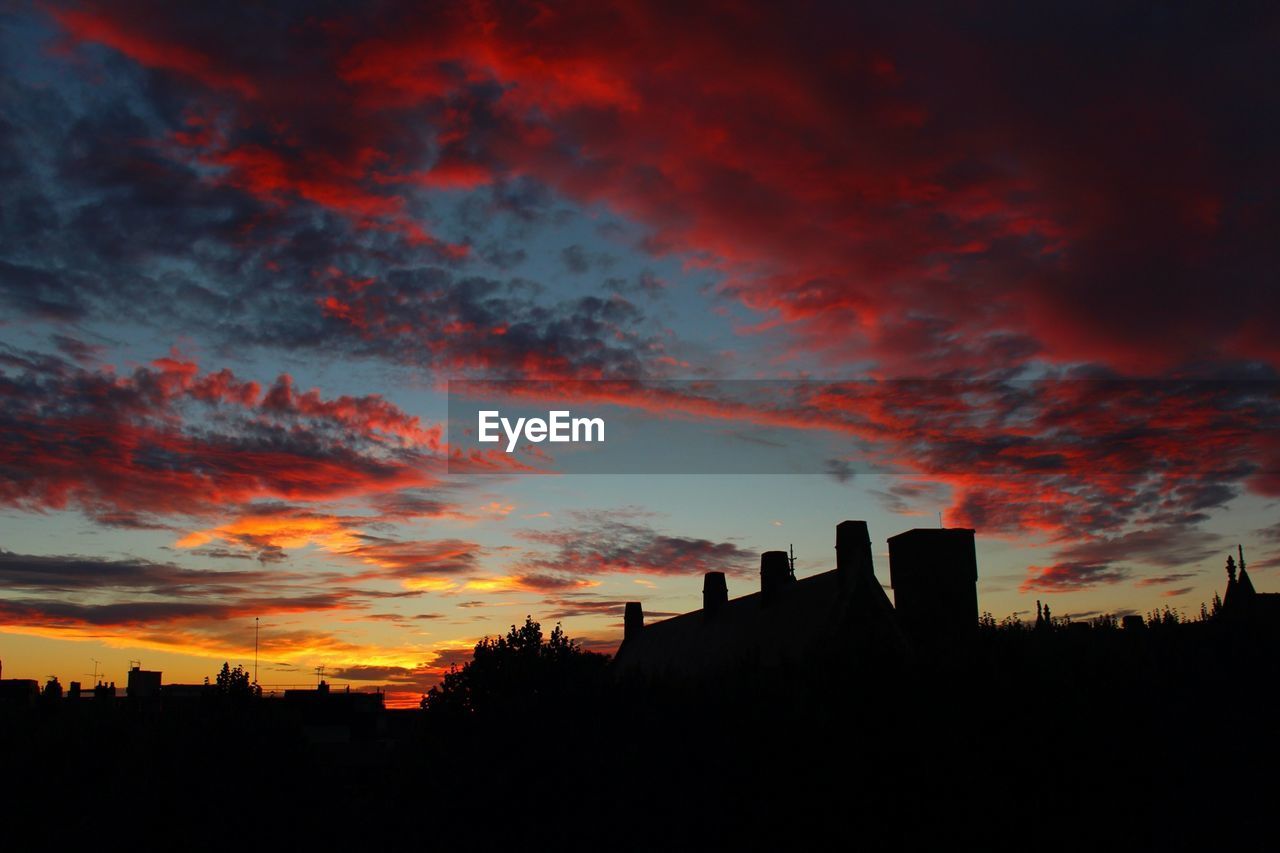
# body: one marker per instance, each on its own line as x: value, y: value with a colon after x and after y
x: 19, y: 692
x: 842, y: 611
x: 142, y: 684
x: 1243, y: 603
x: 934, y: 575
x: 330, y: 716
x: 186, y: 691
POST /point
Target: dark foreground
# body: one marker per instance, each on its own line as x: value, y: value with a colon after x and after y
x: 1085, y: 739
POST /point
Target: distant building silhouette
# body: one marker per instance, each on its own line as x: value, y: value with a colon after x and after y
x: 180, y: 692
x: 142, y: 683
x: 934, y: 575
x: 844, y: 610
x: 330, y: 717
x: 18, y: 692
x: 1241, y: 602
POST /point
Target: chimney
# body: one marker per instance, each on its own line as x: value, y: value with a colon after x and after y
x: 853, y: 552
x: 775, y: 574
x: 715, y: 592
x: 633, y: 620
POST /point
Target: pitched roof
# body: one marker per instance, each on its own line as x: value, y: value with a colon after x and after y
x: 1243, y: 583
x: 831, y: 609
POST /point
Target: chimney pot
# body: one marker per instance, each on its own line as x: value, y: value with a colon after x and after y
x: 775, y: 573
x: 633, y: 620
x: 715, y: 592
x: 853, y: 551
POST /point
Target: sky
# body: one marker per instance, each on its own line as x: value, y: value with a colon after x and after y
x: 1008, y: 266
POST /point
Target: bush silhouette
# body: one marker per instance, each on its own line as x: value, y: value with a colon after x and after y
x: 518, y: 673
x: 235, y: 683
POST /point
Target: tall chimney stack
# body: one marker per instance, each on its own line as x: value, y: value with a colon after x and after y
x: 715, y: 592
x: 853, y: 552
x: 775, y: 574
x: 633, y: 620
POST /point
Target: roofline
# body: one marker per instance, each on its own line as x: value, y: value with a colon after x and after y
x: 731, y: 601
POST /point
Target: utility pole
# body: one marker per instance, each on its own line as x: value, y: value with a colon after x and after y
x: 255, y: 650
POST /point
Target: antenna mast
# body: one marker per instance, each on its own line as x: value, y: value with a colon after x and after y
x: 792, y: 559
x: 255, y: 650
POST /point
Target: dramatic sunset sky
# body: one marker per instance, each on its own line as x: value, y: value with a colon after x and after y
x: 244, y: 247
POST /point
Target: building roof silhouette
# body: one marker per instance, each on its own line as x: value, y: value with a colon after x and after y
x: 1242, y: 602
x: 843, y: 611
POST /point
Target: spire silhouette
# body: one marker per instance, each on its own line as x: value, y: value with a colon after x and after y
x: 1243, y: 583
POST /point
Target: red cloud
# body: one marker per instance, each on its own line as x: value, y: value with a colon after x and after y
x: 119, y: 445
x: 925, y: 198
x: 1068, y: 577
x: 153, y: 51
x: 888, y: 199
x: 602, y: 543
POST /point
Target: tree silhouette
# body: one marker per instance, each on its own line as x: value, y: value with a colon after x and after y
x: 235, y: 682
x: 1164, y: 618
x: 518, y: 673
